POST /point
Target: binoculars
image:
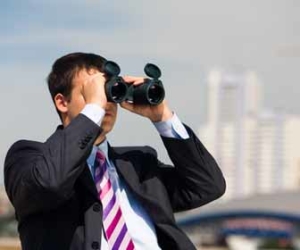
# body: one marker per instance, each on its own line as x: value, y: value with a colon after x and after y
x: 150, y: 92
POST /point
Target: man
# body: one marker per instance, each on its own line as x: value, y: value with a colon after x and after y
x: 76, y: 192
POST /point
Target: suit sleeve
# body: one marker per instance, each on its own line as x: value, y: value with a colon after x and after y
x: 195, y: 178
x: 41, y: 176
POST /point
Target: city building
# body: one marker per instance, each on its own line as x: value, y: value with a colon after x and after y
x: 256, y: 148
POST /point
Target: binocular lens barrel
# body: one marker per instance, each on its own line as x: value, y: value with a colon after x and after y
x: 118, y: 91
x: 148, y: 93
x: 156, y: 94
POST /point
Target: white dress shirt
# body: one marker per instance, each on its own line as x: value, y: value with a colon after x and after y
x: 139, y: 224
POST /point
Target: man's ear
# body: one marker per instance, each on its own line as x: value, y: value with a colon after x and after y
x: 61, y: 103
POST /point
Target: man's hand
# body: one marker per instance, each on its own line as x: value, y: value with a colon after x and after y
x: 93, y: 90
x: 155, y: 113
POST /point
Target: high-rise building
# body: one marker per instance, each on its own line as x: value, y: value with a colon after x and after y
x: 252, y: 146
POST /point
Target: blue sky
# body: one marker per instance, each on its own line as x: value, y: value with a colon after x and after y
x: 185, y: 38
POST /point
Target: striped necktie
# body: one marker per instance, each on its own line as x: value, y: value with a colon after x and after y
x: 115, y: 229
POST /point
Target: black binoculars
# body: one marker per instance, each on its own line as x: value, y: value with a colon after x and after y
x: 117, y: 90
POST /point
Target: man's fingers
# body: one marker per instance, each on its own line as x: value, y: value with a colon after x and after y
x: 127, y: 105
x: 133, y: 80
x: 99, y: 76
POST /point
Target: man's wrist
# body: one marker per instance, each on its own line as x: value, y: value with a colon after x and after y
x: 172, y: 128
x: 165, y: 116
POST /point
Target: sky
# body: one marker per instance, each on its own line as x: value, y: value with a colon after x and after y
x: 186, y: 39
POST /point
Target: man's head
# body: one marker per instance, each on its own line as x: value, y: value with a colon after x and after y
x: 65, y: 83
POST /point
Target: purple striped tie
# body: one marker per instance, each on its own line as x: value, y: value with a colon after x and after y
x: 116, y: 231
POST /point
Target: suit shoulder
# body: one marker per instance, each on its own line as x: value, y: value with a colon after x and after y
x: 23, y: 145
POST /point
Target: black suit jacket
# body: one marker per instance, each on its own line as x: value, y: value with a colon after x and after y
x: 55, y: 199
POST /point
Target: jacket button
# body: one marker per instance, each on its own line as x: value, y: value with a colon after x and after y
x: 96, y: 207
x: 86, y: 140
x: 95, y: 245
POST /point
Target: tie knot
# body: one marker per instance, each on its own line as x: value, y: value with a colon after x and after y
x: 100, y: 157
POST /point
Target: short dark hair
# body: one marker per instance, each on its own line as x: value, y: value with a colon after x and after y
x: 65, y: 68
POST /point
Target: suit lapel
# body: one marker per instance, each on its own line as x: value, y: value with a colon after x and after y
x: 125, y: 169
x: 127, y: 172
x: 143, y: 191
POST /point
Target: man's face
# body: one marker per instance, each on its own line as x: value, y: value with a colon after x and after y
x: 77, y: 102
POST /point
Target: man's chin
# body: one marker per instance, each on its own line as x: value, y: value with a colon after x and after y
x: 105, y: 130
x: 100, y: 139
x: 107, y: 124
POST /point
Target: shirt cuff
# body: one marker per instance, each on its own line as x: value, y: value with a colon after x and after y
x: 93, y: 112
x: 172, y: 128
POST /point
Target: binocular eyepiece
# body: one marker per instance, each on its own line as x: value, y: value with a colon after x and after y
x: 117, y: 90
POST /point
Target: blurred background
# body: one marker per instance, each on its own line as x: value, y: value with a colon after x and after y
x: 230, y: 70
